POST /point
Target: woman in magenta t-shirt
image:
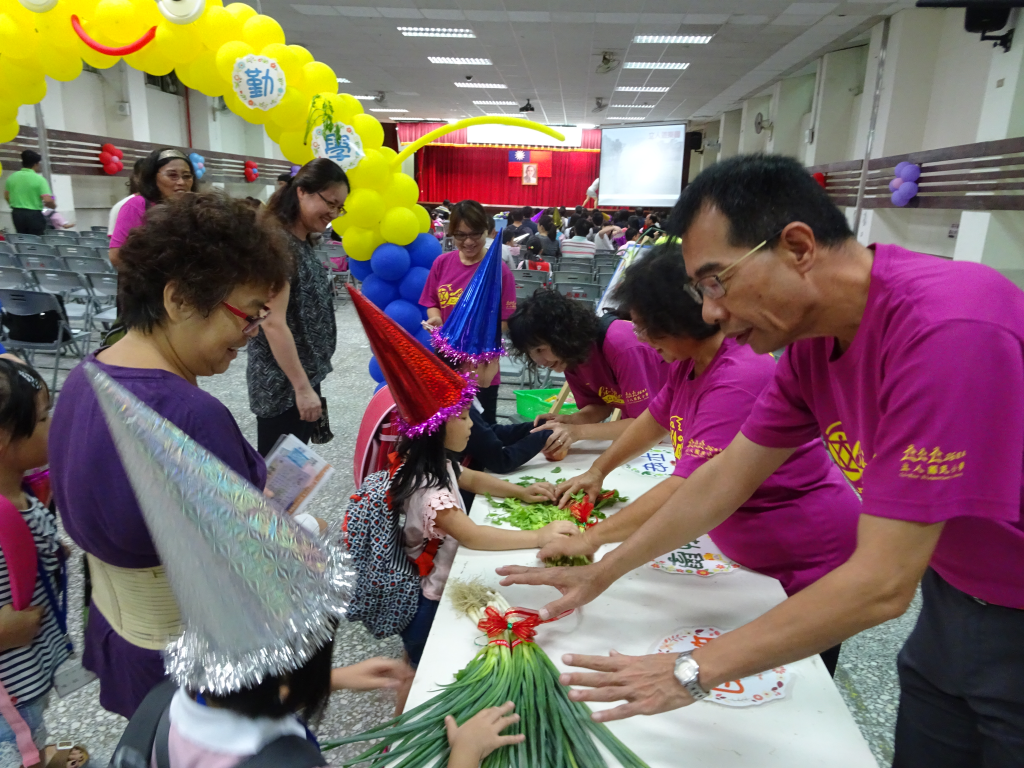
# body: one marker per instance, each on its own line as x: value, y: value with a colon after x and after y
x: 605, y: 364
x: 451, y: 273
x: 165, y: 174
x: 802, y: 521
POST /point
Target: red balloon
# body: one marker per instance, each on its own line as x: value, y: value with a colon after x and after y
x: 820, y: 178
x: 108, y: 147
x: 118, y: 153
x: 111, y: 169
x: 105, y: 158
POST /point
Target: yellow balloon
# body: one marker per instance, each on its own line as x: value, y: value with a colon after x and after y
x: 236, y: 105
x: 292, y: 109
x: 178, y: 42
x: 261, y: 31
x: 369, y: 130
x: 17, y: 38
x: 240, y: 11
x: 274, y: 131
x: 121, y: 20
x: 373, y: 171
x: 293, y: 147
x: 341, y: 224
x: 285, y: 58
x: 218, y: 27
x: 201, y: 75
x: 399, y: 225
x: 402, y: 190
x: 59, y: 64
x: 301, y: 54
x: 319, y: 78
x: 228, y: 53
x: 348, y: 107
x: 359, y: 242
x: 422, y: 218
x: 389, y: 153
x: 8, y: 131
x: 55, y: 27
x: 365, y: 206
x: 95, y: 59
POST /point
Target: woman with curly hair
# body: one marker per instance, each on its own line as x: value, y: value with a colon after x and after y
x: 195, y: 283
x: 605, y: 364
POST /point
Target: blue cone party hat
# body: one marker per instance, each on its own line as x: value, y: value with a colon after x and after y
x: 257, y: 592
x: 472, y: 331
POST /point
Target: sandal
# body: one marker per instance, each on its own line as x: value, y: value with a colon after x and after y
x: 64, y: 754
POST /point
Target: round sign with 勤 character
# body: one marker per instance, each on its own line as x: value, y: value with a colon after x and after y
x: 258, y: 81
x: 660, y: 461
x: 697, y: 558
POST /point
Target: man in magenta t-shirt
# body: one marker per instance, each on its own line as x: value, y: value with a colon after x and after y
x: 451, y: 273
x: 912, y: 370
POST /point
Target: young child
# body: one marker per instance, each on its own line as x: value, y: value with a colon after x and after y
x: 32, y: 641
x: 433, y: 402
x: 535, y: 256
x: 476, y: 738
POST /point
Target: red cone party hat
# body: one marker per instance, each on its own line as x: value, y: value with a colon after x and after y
x: 426, y: 391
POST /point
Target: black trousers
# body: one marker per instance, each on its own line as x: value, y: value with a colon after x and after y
x: 269, y: 431
x: 28, y: 222
x: 961, y: 683
x: 489, y: 402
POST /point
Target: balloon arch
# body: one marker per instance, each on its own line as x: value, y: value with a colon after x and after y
x: 234, y: 52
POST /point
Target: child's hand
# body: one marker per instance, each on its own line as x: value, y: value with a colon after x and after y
x: 556, y: 530
x: 480, y: 735
x: 538, y: 492
x: 371, y: 674
x: 19, y: 628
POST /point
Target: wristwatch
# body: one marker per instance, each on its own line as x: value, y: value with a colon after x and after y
x: 687, y: 672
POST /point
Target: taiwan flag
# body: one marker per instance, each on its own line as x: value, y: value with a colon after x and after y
x: 517, y: 158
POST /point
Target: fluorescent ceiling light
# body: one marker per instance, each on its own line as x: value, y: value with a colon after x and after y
x: 365, y: 98
x: 344, y: 80
x: 656, y: 65
x: 613, y: 118
x: 674, y: 39
x: 631, y: 106
x: 395, y: 111
x: 456, y: 60
x: 488, y: 86
x: 496, y: 103
x: 643, y: 88
x: 435, y: 32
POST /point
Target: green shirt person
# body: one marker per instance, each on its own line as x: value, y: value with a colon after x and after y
x: 27, y: 192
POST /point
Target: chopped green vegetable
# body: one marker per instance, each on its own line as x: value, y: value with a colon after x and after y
x: 556, y: 470
x: 527, y: 517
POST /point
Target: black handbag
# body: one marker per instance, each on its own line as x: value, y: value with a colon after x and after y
x: 322, y: 429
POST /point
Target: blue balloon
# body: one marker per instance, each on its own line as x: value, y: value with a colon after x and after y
x: 405, y: 313
x: 423, y: 250
x: 360, y: 269
x: 379, y: 291
x: 412, y: 284
x: 424, y: 338
x: 375, y: 372
x: 379, y: 387
x: 390, y: 262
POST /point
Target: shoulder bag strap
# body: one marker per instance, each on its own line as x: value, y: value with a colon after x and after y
x: 286, y: 752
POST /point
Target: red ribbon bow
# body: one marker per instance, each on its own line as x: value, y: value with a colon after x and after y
x: 525, y: 628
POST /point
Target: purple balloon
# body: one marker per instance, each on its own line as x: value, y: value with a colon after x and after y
x: 897, y: 199
x: 296, y: 169
x: 895, y: 184
x: 909, y: 188
x: 900, y: 167
x: 911, y: 172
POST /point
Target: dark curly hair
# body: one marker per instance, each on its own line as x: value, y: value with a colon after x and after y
x: 548, y: 317
x: 653, y: 290
x: 208, y: 244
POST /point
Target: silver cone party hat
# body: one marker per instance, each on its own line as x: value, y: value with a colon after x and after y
x: 257, y: 592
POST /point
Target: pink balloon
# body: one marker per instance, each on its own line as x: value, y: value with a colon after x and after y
x: 895, y: 184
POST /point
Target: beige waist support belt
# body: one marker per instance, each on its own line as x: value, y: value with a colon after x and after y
x: 137, y: 602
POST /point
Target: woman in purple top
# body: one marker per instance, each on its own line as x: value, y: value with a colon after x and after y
x: 605, y: 364
x: 802, y: 521
x: 195, y: 282
x: 164, y: 175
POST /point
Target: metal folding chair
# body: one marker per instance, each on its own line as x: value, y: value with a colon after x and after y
x: 38, y: 311
x: 72, y: 287
x: 104, y: 295
x: 13, y: 278
x: 19, y: 238
x: 36, y: 249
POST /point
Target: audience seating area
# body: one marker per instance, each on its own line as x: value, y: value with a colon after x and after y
x: 582, y: 279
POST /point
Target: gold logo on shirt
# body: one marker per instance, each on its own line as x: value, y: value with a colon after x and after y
x: 936, y: 464
x: 610, y: 396
x: 701, y: 450
x: 850, y: 459
x: 446, y: 297
x: 675, y: 426
x: 636, y: 396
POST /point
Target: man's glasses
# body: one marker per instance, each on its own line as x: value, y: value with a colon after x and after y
x: 335, y: 207
x: 712, y: 286
x: 460, y: 237
x: 251, y: 323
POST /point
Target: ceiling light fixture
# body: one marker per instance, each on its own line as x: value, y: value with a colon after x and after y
x: 435, y: 32
x: 396, y: 111
x: 366, y: 97
x: 495, y: 103
x: 613, y: 118
x: 456, y: 60
x: 643, y: 88
x: 344, y: 80
x: 656, y: 65
x: 631, y: 106
x: 674, y: 39
x: 489, y: 86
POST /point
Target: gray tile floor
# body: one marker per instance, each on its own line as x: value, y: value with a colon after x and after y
x: 866, y: 677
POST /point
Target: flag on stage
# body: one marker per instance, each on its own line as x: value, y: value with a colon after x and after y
x: 517, y: 158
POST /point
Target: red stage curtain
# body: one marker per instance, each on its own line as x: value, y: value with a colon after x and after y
x: 481, y: 174
x: 409, y: 132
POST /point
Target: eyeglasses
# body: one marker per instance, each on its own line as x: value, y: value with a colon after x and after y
x: 174, y: 177
x: 712, y: 287
x: 460, y: 237
x: 336, y: 207
x: 251, y: 323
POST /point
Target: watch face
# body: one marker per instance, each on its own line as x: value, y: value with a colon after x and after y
x: 686, y: 670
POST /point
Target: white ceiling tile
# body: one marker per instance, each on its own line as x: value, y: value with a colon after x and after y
x: 315, y: 10
x: 356, y: 12
x: 812, y: 8
x: 706, y: 18
x: 485, y: 15
x: 529, y: 16
x: 617, y: 18
x: 442, y: 14
x: 795, y: 20
x: 662, y: 18
x: 746, y: 19
x: 400, y: 13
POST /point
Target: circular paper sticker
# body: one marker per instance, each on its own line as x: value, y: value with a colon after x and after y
x: 258, y: 81
x: 343, y: 146
x: 660, y: 461
x: 695, y: 559
x: 748, y: 692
